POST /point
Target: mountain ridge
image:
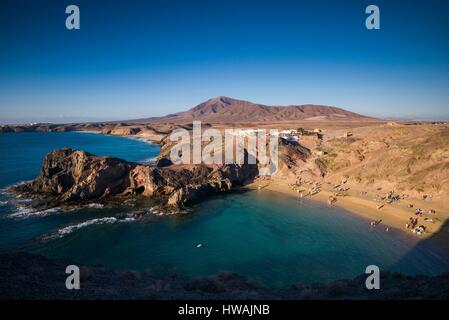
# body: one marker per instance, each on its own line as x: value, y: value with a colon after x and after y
x: 223, y: 109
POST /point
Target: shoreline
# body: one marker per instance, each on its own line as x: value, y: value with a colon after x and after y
x: 359, y: 201
x: 393, y: 216
x: 143, y: 138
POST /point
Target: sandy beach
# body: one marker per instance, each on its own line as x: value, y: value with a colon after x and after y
x: 363, y: 204
x: 358, y: 200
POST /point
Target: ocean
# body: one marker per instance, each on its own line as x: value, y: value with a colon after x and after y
x: 272, y: 238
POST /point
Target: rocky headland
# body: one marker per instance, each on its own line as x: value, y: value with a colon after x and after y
x: 72, y: 176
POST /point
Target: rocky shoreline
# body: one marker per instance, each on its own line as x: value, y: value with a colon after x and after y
x: 73, y: 176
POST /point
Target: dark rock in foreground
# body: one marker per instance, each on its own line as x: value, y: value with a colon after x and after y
x: 31, y: 277
x: 69, y: 175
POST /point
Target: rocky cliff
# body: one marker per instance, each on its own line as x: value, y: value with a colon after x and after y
x: 69, y: 175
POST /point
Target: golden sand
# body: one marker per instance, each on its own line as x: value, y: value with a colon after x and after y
x: 394, y: 215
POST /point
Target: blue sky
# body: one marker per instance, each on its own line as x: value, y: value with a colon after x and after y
x: 135, y: 59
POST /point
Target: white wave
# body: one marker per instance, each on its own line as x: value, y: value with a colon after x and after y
x: 24, y: 212
x: 95, y: 205
x: 142, y: 139
x: 22, y: 200
x: 146, y: 140
x: 158, y: 212
x: 3, y: 203
x: 5, y: 190
x: 71, y: 228
x: 70, y: 208
x: 150, y: 161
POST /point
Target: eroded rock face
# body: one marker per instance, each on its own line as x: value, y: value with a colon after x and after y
x: 69, y: 175
x: 295, y: 161
x: 179, y: 185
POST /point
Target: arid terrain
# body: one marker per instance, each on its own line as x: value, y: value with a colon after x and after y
x: 384, y: 172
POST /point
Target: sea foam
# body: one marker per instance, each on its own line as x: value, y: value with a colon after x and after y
x: 24, y: 212
x: 95, y: 205
x: 74, y: 227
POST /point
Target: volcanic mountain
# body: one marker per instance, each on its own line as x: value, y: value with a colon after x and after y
x: 229, y: 110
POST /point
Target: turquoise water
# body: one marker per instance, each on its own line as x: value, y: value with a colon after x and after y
x: 22, y: 154
x: 272, y: 238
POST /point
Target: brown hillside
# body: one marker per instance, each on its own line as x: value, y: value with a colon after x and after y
x: 228, y: 110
